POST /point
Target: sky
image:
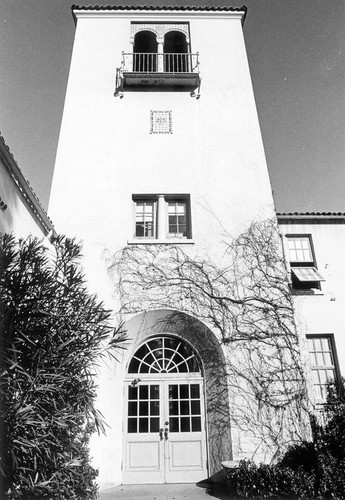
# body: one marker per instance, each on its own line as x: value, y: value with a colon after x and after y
x: 296, y: 53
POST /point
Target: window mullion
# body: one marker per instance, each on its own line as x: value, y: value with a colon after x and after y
x: 161, y: 217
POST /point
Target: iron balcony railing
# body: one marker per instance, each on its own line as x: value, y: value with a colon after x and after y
x: 137, y: 62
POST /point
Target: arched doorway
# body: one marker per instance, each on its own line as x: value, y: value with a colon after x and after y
x: 164, y: 422
x: 145, y: 52
x: 215, y: 381
x: 175, y: 52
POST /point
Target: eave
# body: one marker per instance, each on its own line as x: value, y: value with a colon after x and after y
x: 26, y: 192
x: 311, y: 217
x: 78, y: 10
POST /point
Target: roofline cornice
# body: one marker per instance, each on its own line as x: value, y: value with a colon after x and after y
x: 310, y: 218
x: 158, y: 11
x: 25, y: 190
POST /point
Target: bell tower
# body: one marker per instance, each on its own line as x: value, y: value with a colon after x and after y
x: 160, y: 144
x: 159, y: 116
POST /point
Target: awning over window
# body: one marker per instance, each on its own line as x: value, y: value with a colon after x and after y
x: 307, y: 274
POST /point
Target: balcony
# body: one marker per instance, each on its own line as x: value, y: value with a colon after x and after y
x: 152, y: 71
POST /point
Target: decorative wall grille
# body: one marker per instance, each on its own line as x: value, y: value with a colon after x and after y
x: 161, y: 122
x: 160, y: 28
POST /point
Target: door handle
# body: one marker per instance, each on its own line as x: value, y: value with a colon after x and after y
x: 166, y: 433
x: 161, y: 433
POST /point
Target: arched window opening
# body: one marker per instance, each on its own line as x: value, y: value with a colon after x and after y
x: 164, y: 355
x: 145, y: 52
x: 176, y: 56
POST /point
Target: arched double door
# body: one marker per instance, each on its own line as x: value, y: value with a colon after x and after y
x: 164, y: 422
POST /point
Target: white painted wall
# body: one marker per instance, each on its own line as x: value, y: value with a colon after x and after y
x: 106, y: 154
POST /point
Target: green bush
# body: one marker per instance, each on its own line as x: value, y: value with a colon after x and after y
x: 309, y: 470
x: 53, y: 334
x: 271, y: 481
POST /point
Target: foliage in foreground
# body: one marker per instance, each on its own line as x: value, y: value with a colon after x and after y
x: 310, y: 470
x: 53, y: 334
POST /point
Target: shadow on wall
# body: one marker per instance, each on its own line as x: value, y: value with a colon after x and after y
x: 7, y: 221
x: 215, y: 379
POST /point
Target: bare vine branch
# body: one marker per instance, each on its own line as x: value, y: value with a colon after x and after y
x: 245, y: 297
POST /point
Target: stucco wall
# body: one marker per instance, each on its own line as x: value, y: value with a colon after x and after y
x: 323, y: 312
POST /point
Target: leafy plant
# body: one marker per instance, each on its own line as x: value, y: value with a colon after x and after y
x: 301, y: 455
x: 272, y: 481
x: 54, y: 332
x: 309, y: 470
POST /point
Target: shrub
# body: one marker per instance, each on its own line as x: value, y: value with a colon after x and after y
x: 53, y: 334
x: 271, y: 481
x: 303, y: 455
x: 309, y: 470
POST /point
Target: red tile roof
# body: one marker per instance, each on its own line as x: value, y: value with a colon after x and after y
x: 310, y: 214
x: 161, y: 7
x: 316, y: 217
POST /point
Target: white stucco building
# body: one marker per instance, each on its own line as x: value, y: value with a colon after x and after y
x: 20, y: 209
x: 160, y: 144
x: 313, y: 244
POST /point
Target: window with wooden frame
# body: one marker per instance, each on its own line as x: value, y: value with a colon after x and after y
x: 177, y: 219
x: 323, y: 363
x: 304, y: 273
x: 145, y: 218
x: 162, y: 217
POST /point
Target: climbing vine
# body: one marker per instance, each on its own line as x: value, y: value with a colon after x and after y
x: 245, y: 298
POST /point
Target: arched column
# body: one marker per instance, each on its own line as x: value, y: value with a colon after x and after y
x: 129, y: 61
x: 160, y: 51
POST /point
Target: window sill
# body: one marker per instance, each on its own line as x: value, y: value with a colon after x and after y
x: 168, y: 241
x: 319, y: 405
x: 311, y: 292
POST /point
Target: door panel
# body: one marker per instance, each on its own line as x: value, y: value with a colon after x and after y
x: 185, y: 454
x: 143, y: 457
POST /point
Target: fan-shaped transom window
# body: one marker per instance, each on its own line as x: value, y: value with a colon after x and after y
x: 164, y: 355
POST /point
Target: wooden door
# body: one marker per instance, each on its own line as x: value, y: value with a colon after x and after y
x: 164, y: 421
x: 165, y: 432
